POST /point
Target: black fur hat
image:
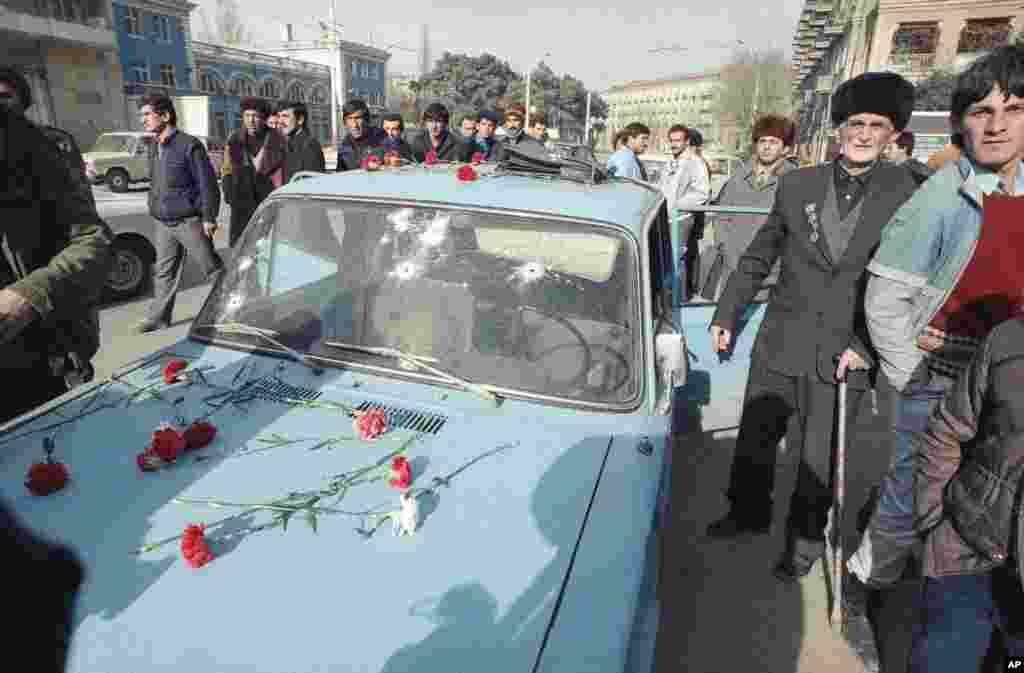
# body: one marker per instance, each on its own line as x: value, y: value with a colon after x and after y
x: 881, y: 93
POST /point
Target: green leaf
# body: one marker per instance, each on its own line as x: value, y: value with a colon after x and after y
x: 311, y: 518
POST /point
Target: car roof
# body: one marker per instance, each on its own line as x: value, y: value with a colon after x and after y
x: 617, y: 201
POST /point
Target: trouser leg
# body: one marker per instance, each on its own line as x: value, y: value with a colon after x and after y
x: 167, y: 270
x: 768, y: 405
x: 200, y: 247
x: 240, y: 216
x: 957, y: 618
x: 890, y: 537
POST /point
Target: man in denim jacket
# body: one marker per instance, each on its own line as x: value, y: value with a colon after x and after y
x: 946, y: 272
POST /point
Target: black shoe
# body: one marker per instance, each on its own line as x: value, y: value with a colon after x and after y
x: 732, y: 526
x: 790, y: 571
x: 147, y: 326
x: 861, y: 639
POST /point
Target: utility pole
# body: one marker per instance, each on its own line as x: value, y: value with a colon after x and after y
x: 586, y: 133
x: 336, y: 88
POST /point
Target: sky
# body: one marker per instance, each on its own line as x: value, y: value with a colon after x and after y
x: 603, y: 43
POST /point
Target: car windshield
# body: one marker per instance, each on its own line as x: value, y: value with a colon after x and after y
x: 114, y: 144
x: 524, y: 305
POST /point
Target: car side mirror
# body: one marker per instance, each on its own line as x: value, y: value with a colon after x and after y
x: 671, y: 365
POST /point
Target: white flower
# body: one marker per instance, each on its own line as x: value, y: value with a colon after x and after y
x: 409, y: 518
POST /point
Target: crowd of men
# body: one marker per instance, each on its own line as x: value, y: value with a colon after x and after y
x: 880, y: 272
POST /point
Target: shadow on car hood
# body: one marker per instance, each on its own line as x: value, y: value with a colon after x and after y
x: 474, y: 588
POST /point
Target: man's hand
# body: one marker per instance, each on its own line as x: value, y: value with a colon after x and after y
x: 210, y: 229
x: 720, y: 339
x: 15, y: 314
x: 849, y: 361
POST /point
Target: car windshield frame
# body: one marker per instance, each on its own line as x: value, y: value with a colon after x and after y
x: 387, y: 367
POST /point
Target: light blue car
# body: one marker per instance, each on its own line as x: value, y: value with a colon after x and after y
x: 519, y: 336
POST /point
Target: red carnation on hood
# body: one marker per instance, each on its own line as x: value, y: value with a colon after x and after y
x: 466, y: 174
x: 172, y: 368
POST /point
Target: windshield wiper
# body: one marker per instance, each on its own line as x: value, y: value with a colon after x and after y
x: 266, y: 334
x: 418, y: 361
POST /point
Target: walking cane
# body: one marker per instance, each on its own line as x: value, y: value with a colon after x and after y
x: 836, y: 512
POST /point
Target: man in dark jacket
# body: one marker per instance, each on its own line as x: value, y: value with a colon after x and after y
x: 53, y: 266
x: 252, y: 164
x: 303, y: 151
x: 394, y: 129
x: 437, y: 140
x: 825, y: 223
x: 486, y: 143
x: 361, y: 138
x: 968, y: 466
x: 515, y: 135
x: 185, y: 201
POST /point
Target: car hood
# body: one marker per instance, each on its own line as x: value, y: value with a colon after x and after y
x: 474, y: 588
x: 105, y: 156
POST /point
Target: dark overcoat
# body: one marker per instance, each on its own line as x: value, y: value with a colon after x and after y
x: 817, y: 307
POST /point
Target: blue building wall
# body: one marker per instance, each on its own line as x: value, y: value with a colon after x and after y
x: 362, y: 83
x: 147, y: 49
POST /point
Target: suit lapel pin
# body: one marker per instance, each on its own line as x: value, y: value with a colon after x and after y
x: 812, y: 216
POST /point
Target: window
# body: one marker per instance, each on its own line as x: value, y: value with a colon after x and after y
x: 133, y: 21
x: 297, y: 92
x: 355, y: 68
x: 140, y: 72
x: 220, y: 125
x: 269, y: 89
x: 318, y: 95
x: 240, y: 86
x: 210, y: 83
x: 373, y: 71
x: 983, y: 35
x: 366, y: 70
x: 167, y: 75
x: 162, y: 28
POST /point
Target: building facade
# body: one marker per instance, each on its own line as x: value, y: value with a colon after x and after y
x: 839, y: 39
x: 154, y: 38
x: 226, y: 74
x: 661, y: 103
x: 67, y: 50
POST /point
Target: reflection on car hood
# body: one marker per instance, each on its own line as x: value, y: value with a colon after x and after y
x: 480, y: 577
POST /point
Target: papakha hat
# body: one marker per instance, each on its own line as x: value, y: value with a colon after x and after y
x: 881, y: 93
x: 775, y: 126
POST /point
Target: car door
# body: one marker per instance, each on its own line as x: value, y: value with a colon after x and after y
x: 712, y: 397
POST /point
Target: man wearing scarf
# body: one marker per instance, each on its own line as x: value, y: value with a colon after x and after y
x: 825, y: 224
x: 515, y: 135
x: 361, y: 138
x: 252, y: 164
x: 394, y: 127
x: 486, y: 143
x: 438, y: 140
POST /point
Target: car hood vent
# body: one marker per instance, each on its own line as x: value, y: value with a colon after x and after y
x: 407, y: 419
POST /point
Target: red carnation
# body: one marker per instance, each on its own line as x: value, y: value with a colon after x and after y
x: 370, y: 423
x: 371, y: 162
x: 478, y: 158
x: 172, y: 368
x: 45, y: 478
x: 466, y: 174
x: 401, y: 472
x: 199, y: 434
x: 431, y: 158
x: 193, y: 546
x: 167, y: 443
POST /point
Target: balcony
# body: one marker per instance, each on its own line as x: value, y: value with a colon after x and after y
x: 84, y: 22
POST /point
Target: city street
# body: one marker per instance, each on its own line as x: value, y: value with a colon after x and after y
x: 722, y: 611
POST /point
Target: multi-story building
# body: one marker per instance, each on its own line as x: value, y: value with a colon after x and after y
x: 661, y: 103
x: 839, y: 39
x: 67, y: 50
x: 226, y: 74
x: 154, y: 38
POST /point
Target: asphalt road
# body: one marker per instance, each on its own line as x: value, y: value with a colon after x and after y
x: 722, y: 610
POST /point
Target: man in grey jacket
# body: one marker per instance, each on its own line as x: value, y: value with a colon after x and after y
x: 753, y: 184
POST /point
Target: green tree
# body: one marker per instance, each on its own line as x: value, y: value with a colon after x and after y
x: 753, y: 83
x: 228, y: 27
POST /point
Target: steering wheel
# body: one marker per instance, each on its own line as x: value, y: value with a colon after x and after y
x: 579, y: 378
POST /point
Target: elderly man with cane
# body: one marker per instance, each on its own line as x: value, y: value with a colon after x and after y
x: 825, y: 224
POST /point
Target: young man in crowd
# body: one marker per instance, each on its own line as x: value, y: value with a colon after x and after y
x: 538, y: 127
x: 438, y: 140
x: 184, y: 199
x: 515, y: 135
x: 394, y: 140
x: 252, y: 164
x: 753, y: 185
x: 303, y: 151
x: 625, y: 162
x: 948, y: 270
x: 901, y: 151
x: 361, y: 138
x: 468, y: 126
x: 486, y: 142
x: 825, y: 223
